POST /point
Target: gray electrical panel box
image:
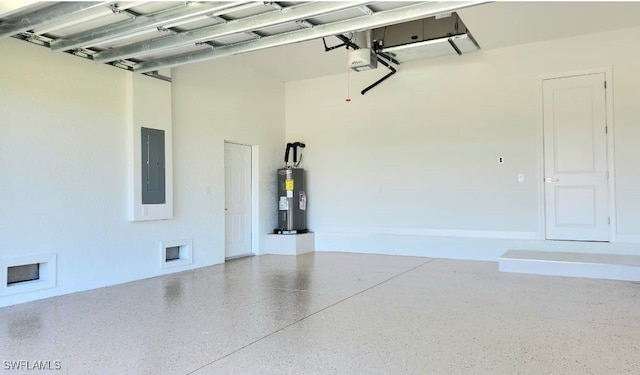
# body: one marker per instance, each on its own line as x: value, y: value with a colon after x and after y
x: 292, y: 201
x: 153, y: 167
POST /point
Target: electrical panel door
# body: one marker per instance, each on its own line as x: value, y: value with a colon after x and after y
x: 153, y: 167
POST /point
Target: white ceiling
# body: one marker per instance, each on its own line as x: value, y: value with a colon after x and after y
x: 502, y: 24
x: 493, y: 25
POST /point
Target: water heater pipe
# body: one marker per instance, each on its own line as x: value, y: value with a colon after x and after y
x: 295, y: 146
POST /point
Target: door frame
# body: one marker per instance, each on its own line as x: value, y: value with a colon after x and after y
x: 608, y: 74
x: 255, y: 195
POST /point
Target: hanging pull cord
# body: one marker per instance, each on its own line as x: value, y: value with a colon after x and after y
x: 348, y: 100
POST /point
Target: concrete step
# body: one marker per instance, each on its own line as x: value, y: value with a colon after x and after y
x: 595, y: 266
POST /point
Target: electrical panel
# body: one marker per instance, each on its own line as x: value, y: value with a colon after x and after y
x: 153, y: 167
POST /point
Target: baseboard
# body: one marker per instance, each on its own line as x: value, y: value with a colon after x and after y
x: 436, y: 232
x: 452, y: 247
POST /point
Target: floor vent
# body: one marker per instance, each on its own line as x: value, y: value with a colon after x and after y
x: 176, y: 253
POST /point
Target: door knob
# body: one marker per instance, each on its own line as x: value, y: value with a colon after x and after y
x: 549, y: 179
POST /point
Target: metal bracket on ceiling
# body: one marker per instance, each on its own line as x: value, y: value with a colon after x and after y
x: 114, y: 9
x: 366, y: 10
x: 82, y: 52
x: 168, y: 30
x: 377, y: 47
x: 35, y: 38
x: 304, y: 23
x: 124, y: 64
x: 157, y: 75
x: 346, y: 42
x: 218, y: 18
x: 37, y: 41
x: 273, y: 4
x: 208, y: 44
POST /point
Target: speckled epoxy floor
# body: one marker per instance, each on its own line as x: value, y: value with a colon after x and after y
x: 334, y: 313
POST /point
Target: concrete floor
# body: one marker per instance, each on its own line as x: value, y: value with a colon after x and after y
x: 332, y: 313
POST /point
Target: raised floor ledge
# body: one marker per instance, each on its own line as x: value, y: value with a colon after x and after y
x: 588, y: 265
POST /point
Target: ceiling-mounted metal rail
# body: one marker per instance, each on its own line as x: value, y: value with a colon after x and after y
x: 55, y: 13
x: 383, y: 18
x: 252, y: 23
x: 141, y: 23
x: 83, y: 28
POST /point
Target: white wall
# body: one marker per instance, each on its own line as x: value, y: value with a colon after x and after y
x: 149, y: 106
x: 409, y: 168
x: 216, y: 102
x: 63, y: 165
x: 412, y: 166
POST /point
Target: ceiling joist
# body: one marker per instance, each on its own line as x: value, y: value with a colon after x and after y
x: 379, y: 19
x: 147, y: 36
x: 139, y: 24
x: 275, y: 17
x: 56, y: 13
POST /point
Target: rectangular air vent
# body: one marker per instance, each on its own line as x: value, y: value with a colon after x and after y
x: 24, y: 273
x: 27, y: 274
x: 172, y: 253
x: 176, y: 253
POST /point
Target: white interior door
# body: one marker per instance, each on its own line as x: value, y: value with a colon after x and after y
x: 237, y: 169
x: 575, y: 158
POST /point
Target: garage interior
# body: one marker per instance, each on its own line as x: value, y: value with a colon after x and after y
x: 441, y: 148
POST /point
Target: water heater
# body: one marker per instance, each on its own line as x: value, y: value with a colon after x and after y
x: 292, y: 202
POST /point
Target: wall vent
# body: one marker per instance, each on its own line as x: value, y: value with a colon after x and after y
x: 172, y: 253
x: 24, y: 273
x: 176, y: 253
x: 27, y: 274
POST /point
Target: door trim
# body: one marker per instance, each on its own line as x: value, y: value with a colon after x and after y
x: 608, y: 73
x: 255, y: 198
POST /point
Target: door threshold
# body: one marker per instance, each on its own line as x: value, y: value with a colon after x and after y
x: 239, y: 256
